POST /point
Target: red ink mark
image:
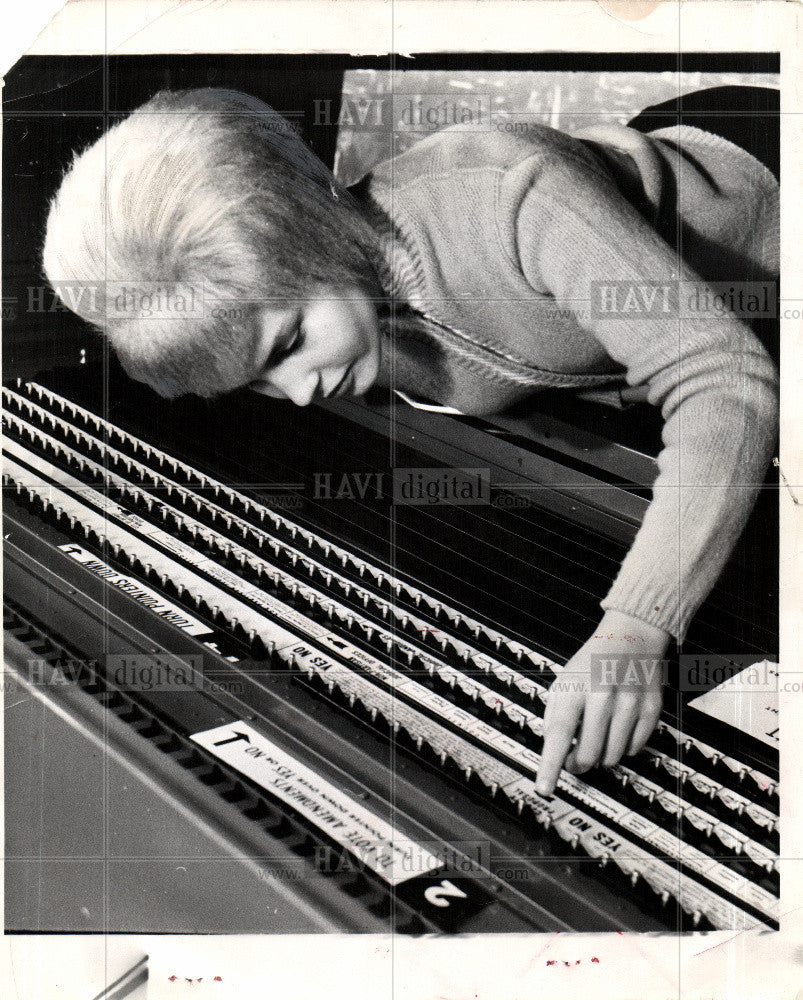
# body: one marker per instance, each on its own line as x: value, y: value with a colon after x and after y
x: 627, y: 636
x: 713, y: 946
x: 568, y: 965
x: 200, y: 979
x: 538, y: 954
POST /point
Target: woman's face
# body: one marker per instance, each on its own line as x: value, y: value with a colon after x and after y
x: 326, y: 346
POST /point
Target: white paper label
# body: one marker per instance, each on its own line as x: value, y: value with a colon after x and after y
x: 747, y: 701
x: 395, y: 858
x: 139, y: 591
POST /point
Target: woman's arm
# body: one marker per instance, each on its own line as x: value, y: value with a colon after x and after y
x: 716, y: 387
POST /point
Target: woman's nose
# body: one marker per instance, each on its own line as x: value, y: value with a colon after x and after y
x: 300, y: 388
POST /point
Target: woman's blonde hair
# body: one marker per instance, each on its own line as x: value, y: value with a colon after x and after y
x: 210, y: 193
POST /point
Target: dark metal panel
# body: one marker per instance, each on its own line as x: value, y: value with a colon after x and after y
x: 207, y: 879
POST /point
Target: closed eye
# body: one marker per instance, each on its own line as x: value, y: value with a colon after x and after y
x: 288, y: 345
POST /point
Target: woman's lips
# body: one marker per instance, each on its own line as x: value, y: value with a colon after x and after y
x: 343, y: 386
x: 347, y: 385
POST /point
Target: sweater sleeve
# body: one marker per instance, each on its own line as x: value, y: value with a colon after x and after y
x: 715, y: 384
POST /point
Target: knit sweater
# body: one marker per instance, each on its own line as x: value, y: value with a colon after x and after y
x: 499, y: 239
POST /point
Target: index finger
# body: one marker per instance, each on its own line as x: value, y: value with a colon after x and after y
x: 558, y: 736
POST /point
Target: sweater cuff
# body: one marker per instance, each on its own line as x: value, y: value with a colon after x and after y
x: 659, y: 608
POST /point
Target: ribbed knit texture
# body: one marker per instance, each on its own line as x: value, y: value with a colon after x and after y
x: 500, y: 238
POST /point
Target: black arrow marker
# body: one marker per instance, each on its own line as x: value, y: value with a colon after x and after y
x: 233, y: 739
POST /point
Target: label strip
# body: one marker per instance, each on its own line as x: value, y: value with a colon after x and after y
x: 369, y: 837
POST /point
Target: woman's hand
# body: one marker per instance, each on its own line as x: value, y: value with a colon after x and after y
x: 619, y: 702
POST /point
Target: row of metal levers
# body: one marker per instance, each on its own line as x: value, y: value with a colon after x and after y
x: 699, y: 828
